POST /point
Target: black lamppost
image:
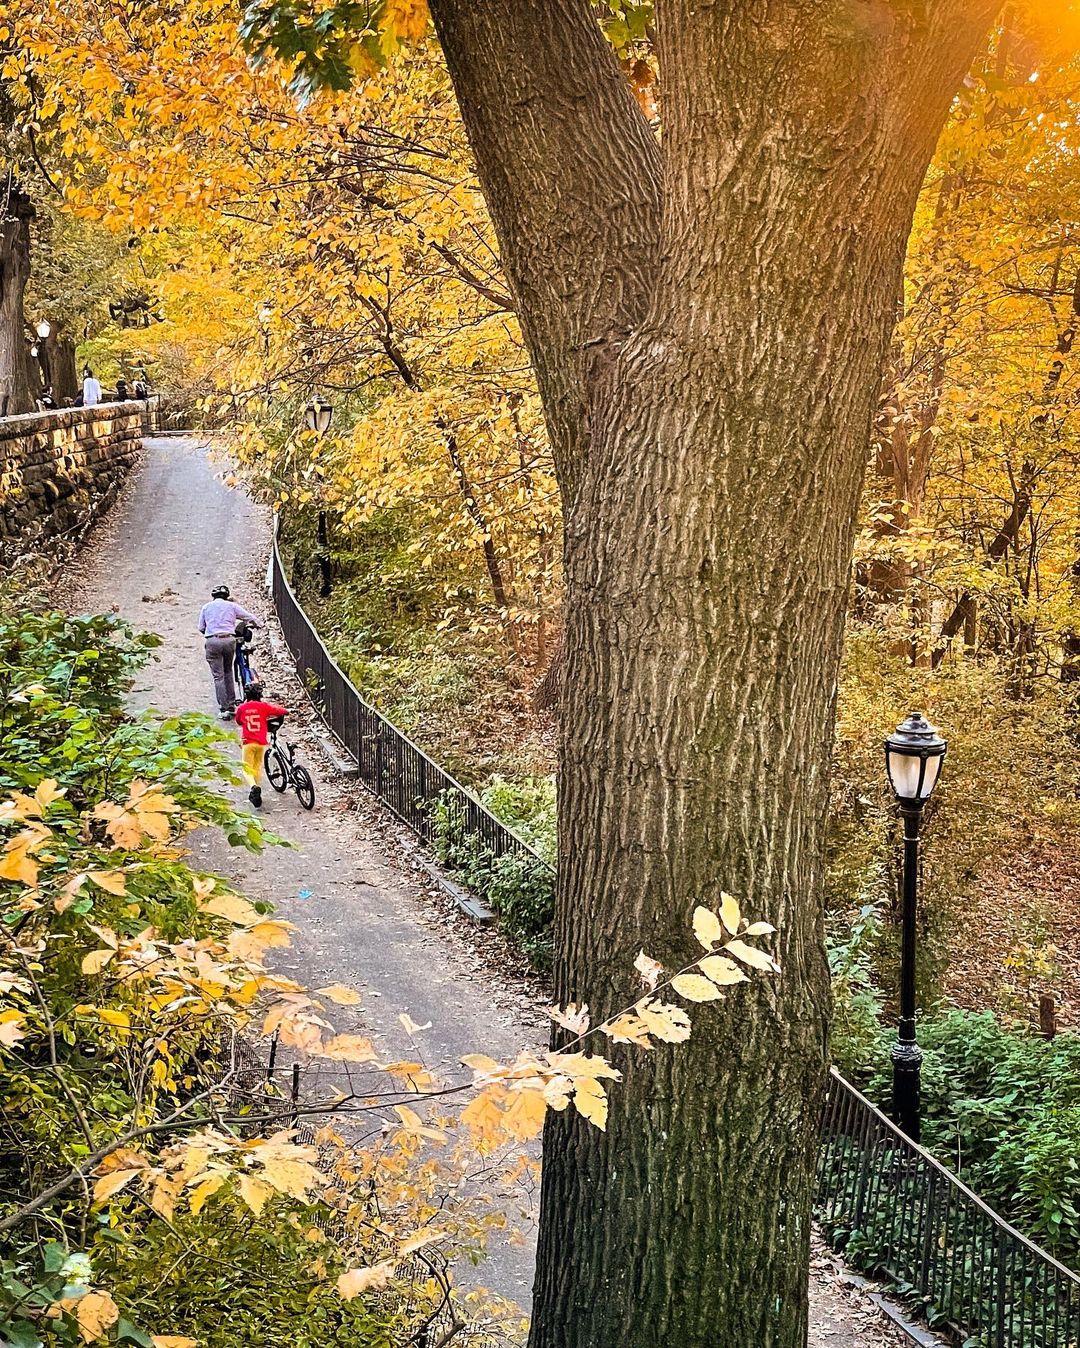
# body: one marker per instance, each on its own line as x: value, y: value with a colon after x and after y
x: 913, y: 758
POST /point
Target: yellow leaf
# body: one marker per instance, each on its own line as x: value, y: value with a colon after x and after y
x: 11, y: 1027
x: 112, y: 1183
x: 172, y: 1341
x: 96, y: 1313
x: 419, y: 1240
x: 96, y: 961
x: 359, y: 1280
x: 340, y: 995
x: 628, y: 1029
x: 411, y: 1027
x: 707, y: 927
x: 483, y: 1117
x: 289, y: 1175
x: 760, y: 929
x: 525, y: 1113
x: 120, y: 1019
x: 750, y: 955
x: 665, y: 1021
x: 721, y: 971
x: 205, y: 1190
x: 255, y: 1192
x: 695, y: 988
x: 574, y: 1018
x: 348, y: 1048
x: 729, y: 913
x: 234, y: 908
x: 47, y: 792
x: 482, y: 1064
x: 113, y: 882
x: 19, y: 865
x: 591, y: 1102
x: 649, y: 969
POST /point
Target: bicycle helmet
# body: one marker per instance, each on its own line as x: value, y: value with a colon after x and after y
x: 219, y: 592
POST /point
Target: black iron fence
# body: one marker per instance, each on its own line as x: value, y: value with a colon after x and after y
x: 422, y: 794
x: 897, y: 1214
x: 894, y: 1211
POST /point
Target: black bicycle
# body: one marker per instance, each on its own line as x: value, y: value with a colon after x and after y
x: 283, y: 771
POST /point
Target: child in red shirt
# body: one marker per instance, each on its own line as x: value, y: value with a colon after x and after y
x: 252, y: 716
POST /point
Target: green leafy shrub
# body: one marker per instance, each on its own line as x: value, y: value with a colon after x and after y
x: 1001, y: 1109
x: 520, y: 887
x: 528, y: 807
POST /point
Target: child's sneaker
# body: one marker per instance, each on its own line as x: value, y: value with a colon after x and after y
x: 255, y: 796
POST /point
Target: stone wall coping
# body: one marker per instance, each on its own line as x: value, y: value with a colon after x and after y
x: 26, y: 423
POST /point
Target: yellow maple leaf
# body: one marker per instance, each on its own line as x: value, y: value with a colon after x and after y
x: 525, y: 1113
x: 96, y: 1313
x: 628, y: 1029
x: 591, y: 1102
x: 205, y: 1189
x: 172, y: 1341
x: 234, y: 908
x: 483, y: 1115
x: 255, y: 1192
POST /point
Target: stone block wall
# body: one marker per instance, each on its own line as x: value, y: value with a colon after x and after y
x: 58, y: 472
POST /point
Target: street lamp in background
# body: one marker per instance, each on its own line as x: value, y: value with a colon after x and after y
x: 318, y: 415
x: 43, y: 329
x: 913, y: 756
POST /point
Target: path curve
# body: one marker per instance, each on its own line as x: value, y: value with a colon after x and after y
x: 179, y: 529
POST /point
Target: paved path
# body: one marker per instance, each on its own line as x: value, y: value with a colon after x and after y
x: 178, y: 531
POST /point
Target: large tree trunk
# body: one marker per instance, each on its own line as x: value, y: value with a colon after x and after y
x: 16, y: 212
x: 711, y: 500
x: 56, y: 354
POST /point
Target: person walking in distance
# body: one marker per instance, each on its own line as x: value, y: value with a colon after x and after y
x: 217, y: 623
x: 91, y: 389
x: 253, y: 716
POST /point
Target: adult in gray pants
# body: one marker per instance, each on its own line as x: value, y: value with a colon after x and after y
x: 217, y: 623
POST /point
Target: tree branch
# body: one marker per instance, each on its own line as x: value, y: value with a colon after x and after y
x: 571, y: 172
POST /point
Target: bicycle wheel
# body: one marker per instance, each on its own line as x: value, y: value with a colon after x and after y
x: 277, y: 770
x: 304, y: 787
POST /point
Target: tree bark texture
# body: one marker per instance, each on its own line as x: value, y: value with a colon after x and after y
x: 732, y: 356
x: 16, y: 213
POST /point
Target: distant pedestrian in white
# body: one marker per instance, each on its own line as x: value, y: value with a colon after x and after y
x: 91, y: 389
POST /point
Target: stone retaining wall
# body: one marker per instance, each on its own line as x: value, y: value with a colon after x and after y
x: 58, y: 471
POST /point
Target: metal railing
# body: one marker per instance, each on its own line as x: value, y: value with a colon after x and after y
x: 898, y: 1214
x: 421, y: 793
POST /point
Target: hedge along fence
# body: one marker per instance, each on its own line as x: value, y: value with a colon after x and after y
x: 488, y: 855
x: 59, y: 470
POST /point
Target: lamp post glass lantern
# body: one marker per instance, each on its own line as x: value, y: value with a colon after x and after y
x: 318, y: 415
x: 914, y: 753
x: 43, y: 329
